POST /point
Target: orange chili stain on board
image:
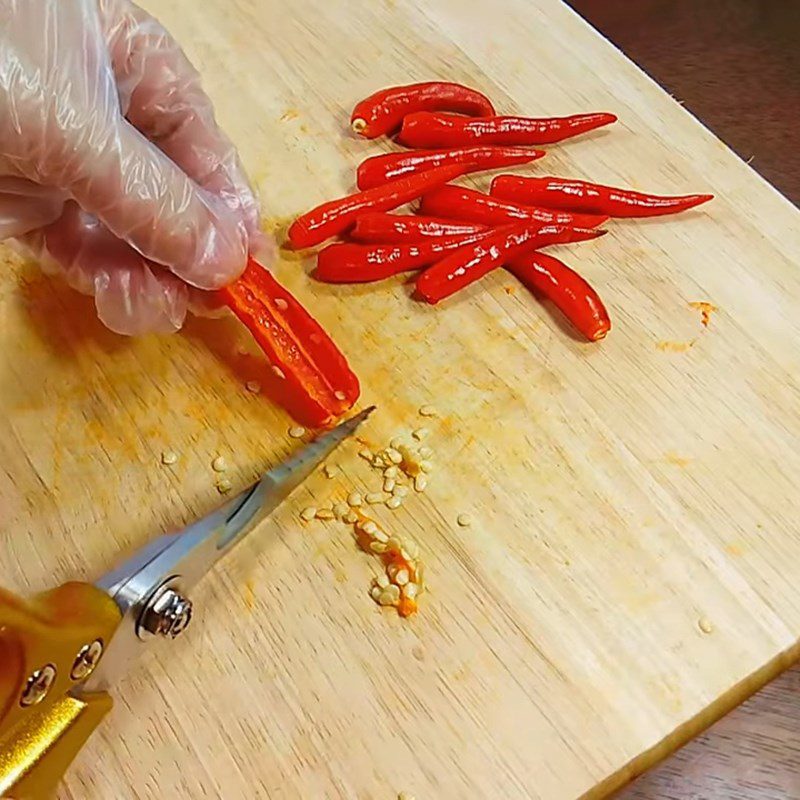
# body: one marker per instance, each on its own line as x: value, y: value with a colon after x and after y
x: 290, y: 114
x: 677, y: 460
x: 249, y: 594
x: 510, y: 289
x: 705, y: 309
x: 674, y: 347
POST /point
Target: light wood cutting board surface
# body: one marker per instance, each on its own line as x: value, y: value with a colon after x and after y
x: 621, y: 492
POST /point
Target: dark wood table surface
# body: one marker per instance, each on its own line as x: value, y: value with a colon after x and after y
x: 735, y: 64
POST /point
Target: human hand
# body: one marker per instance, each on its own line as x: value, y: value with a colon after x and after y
x: 112, y: 167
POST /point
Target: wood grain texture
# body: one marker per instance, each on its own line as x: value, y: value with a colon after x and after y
x: 621, y: 492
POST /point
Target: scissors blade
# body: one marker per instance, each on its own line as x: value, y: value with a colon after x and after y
x: 181, y: 559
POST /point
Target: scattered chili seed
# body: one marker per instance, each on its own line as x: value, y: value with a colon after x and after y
x: 308, y: 514
x: 224, y: 486
x: 331, y: 470
x: 705, y: 625
x: 325, y: 513
x: 169, y: 457
x: 394, y: 502
x: 373, y: 498
x: 428, y: 411
x: 464, y: 520
x: 219, y: 464
x: 253, y: 386
x: 341, y: 510
x: 281, y: 304
x: 425, y: 452
x: 420, y: 433
x: 278, y: 372
x: 297, y: 431
x: 354, y: 499
x: 420, y: 482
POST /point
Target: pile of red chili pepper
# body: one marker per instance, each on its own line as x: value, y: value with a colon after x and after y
x: 458, y: 235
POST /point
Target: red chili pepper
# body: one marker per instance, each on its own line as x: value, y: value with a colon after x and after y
x: 393, y: 228
x: 308, y: 372
x: 333, y: 217
x: 469, y: 264
x: 567, y: 290
x: 445, y: 130
x: 591, y: 198
x: 456, y: 202
x: 383, y: 111
x: 380, y: 169
x: 358, y: 263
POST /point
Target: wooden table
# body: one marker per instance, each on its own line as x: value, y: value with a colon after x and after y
x: 632, y: 491
x: 732, y: 63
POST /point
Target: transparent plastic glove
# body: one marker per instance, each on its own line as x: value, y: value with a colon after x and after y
x: 112, y: 167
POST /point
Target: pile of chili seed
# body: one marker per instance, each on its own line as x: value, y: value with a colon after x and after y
x: 458, y: 235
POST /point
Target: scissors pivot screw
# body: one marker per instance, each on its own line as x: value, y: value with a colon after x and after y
x: 87, y: 659
x: 167, y: 614
x: 38, y: 685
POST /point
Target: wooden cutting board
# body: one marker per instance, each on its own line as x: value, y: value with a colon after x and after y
x: 624, y: 494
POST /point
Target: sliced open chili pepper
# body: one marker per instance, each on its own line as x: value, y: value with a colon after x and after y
x: 335, y: 216
x: 383, y: 111
x: 378, y: 227
x: 455, y: 202
x: 360, y: 263
x: 567, y: 290
x: 568, y: 194
x: 310, y: 375
x: 470, y: 263
x: 380, y: 169
x: 426, y: 129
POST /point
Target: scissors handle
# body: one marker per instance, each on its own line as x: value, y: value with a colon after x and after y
x: 48, y: 647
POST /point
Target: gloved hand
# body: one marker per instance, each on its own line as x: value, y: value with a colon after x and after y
x: 112, y: 167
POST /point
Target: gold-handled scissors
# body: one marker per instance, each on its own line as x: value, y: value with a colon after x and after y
x: 63, y: 650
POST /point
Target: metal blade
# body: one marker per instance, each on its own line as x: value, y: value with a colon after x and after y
x: 178, y: 561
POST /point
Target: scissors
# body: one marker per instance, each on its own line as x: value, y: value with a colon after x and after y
x: 63, y: 650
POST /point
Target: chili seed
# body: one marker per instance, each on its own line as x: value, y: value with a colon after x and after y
x: 354, y: 499
x: 428, y: 411
x: 340, y: 395
x: 297, y: 431
x: 402, y: 577
x: 464, y: 520
x: 308, y: 513
x: 394, y: 502
x: 224, y: 486
x: 395, y: 456
x: 169, y: 457
x: 410, y: 590
x: 281, y: 304
x: 389, y: 484
x: 341, y: 510
x: 420, y: 482
x: 278, y: 372
x: 425, y: 452
x: 325, y: 513
x: 373, y: 498
x: 219, y: 464
x: 253, y: 386
x: 420, y: 433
